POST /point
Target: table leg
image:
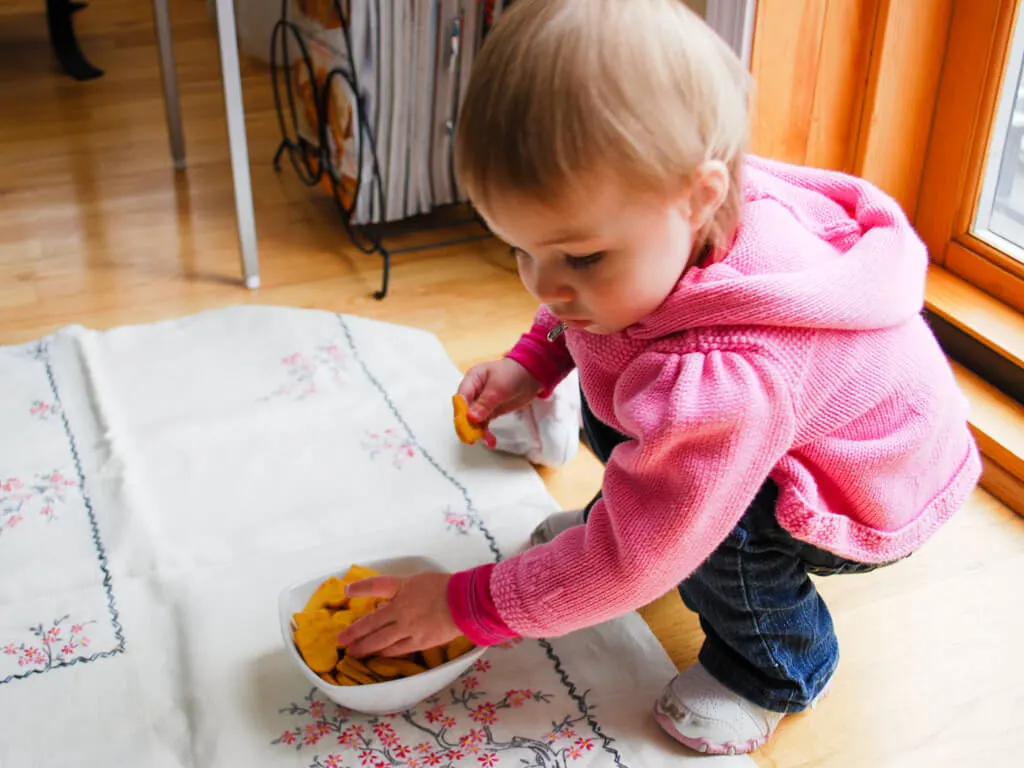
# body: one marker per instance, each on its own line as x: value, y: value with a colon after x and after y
x: 169, y: 75
x: 232, y: 76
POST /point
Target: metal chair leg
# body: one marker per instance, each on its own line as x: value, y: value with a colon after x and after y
x: 169, y: 75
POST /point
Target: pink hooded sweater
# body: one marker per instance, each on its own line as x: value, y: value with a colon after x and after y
x: 799, y: 355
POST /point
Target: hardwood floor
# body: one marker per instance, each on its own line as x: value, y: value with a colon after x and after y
x: 97, y: 229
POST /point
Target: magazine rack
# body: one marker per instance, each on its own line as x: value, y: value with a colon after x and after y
x: 311, y: 161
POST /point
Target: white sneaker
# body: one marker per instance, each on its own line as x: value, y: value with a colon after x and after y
x: 546, y: 432
x: 555, y: 524
x: 706, y: 716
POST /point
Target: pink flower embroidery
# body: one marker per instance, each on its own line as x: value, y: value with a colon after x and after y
x: 454, y: 754
x: 31, y: 655
x: 14, y: 520
x: 402, y: 752
x: 518, y: 698
x: 76, y: 628
x: 433, y: 759
x: 449, y: 722
x: 424, y: 749
x: 10, y: 649
x: 386, y: 733
x: 316, y: 709
x: 389, y: 441
x: 52, y: 635
x: 475, y: 736
x: 574, y: 752
x: 456, y: 521
x: 485, y: 714
x: 288, y: 737
x: 470, y: 683
x: 68, y: 649
x: 482, y: 665
x: 351, y: 736
x: 488, y: 759
x: 333, y: 761
x: 312, y: 735
x: 366, y: 757
x: 435, y: 713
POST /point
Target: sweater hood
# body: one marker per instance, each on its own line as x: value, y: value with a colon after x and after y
x: 815, y: 249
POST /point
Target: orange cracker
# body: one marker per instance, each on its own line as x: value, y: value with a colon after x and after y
x: 467, y: 431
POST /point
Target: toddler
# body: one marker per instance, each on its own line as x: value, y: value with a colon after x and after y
x: 756, y: 373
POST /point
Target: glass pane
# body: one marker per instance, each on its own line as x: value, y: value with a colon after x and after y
x: 1000, y: 218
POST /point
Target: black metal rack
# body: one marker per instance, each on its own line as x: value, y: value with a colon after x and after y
x: 312, y: 162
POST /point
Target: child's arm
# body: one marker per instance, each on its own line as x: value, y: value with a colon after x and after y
x: 547, y: 361
x: 711, y: 428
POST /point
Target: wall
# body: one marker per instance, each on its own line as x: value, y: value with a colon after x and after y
x: 849, y: 85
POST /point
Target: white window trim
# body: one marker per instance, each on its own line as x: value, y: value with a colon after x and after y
x: 734, y: 21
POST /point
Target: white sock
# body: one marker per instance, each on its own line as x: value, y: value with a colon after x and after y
x: 555, y: 524
x: 706, y: 716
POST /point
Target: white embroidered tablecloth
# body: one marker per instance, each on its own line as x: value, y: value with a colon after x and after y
x: 160, y: 484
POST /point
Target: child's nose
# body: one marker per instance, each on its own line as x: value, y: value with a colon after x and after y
x: 550, y: 287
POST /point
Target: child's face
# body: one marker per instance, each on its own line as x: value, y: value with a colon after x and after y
x: 603, y: 263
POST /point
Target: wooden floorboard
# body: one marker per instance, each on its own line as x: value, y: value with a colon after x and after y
x: 97, y: 229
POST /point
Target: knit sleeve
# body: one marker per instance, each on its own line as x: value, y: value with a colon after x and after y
x: 708, y: 428
x: 547, y: 361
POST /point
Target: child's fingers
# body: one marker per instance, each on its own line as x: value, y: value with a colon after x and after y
x: 386, y: 637
x: 472, y: 383
x: 400, y: 648
x: 378, y: 586
x: 366, y: 626
x: 486, y: 405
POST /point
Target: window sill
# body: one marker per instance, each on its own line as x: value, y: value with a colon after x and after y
x: 997, y: 420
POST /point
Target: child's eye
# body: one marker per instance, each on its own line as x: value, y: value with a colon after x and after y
x: 582, y: 262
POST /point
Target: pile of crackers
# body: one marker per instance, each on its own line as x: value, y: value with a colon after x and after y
x: 329, y: 611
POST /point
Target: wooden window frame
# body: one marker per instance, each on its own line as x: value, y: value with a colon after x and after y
x: 978, y: 47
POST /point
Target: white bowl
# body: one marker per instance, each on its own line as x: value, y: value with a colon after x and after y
x: 379, y: 698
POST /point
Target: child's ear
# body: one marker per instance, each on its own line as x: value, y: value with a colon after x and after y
x: 708, y: 190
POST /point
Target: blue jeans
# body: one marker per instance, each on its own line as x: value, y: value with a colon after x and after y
x: 769, y: 635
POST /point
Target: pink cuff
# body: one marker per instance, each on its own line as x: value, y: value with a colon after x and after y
x: 474, y: 612
x: 547, y: 361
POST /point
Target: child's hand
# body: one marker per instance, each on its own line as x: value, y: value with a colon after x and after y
x: 496, y: 388
x: 416, y: 617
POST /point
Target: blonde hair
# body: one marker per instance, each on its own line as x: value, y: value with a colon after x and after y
x: 564, y: 90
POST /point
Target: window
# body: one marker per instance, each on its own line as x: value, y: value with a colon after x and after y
x: 971, y: 208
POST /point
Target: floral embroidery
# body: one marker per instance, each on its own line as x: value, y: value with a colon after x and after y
x: 42, y: 410
x: 389, y: 442
x: 380, y: 744
x: 43, y: 494
x: 302, y: 369
x: 54, y: 646
x: 459, y: 522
